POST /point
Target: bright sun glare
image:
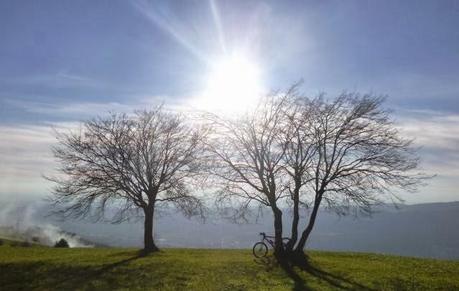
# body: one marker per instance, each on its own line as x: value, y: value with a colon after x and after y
x: 232, y: 86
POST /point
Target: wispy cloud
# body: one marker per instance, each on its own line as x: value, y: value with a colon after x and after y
x: 438, y: 135
x: 25, y: 149
x: 24, y: 156
x: 59, y: 79
x: 85, y: 110
x: 70, y: 110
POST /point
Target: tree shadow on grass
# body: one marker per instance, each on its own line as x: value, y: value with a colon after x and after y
x: 96, y: 273
x: 44, y: 275
x: 270, y: 263
x: 300, y: 266
x: 335, y: 280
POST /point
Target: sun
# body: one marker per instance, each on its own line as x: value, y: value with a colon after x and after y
x: 232, y: 85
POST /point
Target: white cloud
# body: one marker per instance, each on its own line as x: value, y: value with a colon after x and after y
x: 86, y: 110
x: 25, y: 153
x: 433, y: 130
x: 25, y: 149
x: 70, y: 110
x: 61, y: 79
x: 437, y: 135
x: 24, y: 156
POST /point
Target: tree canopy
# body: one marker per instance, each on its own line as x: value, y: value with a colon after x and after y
x: 129, y: 164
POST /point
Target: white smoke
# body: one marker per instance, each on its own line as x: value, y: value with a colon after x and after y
x: 22, y: 220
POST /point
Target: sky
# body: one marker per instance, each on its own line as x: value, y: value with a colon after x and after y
x: 62, y: 62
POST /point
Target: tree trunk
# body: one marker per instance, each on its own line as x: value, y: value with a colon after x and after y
x: 149, y: 244
x: 307, y: 231
x: 296, y: 219
x: 278, y: 246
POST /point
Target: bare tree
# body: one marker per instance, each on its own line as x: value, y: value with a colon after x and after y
x: 359, y: 156
x: 248, y: 162
x: 128, y: 165
x: 299, y: 152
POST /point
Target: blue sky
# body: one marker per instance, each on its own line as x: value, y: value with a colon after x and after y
x: 64, y: 61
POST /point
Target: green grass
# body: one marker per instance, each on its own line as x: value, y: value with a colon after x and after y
x: 41, y: 268
x: 14, y: 242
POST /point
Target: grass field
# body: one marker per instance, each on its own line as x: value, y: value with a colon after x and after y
x: 42, y: 268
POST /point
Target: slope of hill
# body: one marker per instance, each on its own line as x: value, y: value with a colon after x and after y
x: 14, y: 242
x: 199, y: 269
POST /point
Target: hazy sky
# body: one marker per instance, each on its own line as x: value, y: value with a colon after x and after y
x: 65, y: 61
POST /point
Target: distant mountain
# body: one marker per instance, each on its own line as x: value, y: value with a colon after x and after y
x: 422, y: 230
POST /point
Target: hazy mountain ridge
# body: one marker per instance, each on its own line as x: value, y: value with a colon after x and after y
x: 423, y: 230
x: 426, y: 230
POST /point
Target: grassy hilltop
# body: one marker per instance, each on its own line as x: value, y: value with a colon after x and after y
x: 43, y: 268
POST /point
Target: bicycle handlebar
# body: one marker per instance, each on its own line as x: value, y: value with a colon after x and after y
x: 264, y: 235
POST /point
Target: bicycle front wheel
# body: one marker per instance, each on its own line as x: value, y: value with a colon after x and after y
x: 260, y: 249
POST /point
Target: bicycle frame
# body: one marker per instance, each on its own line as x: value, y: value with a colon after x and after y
x: 270, y: 239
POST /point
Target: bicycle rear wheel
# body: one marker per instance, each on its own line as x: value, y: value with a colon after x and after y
x: 260, y: 249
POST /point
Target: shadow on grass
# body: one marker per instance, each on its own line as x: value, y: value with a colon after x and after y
x: 296, y: 269
x: 48, y: 276
x: 96, y: 273
x: 268, y: 262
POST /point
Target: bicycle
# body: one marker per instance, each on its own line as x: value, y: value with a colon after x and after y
x: 260, y: 249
